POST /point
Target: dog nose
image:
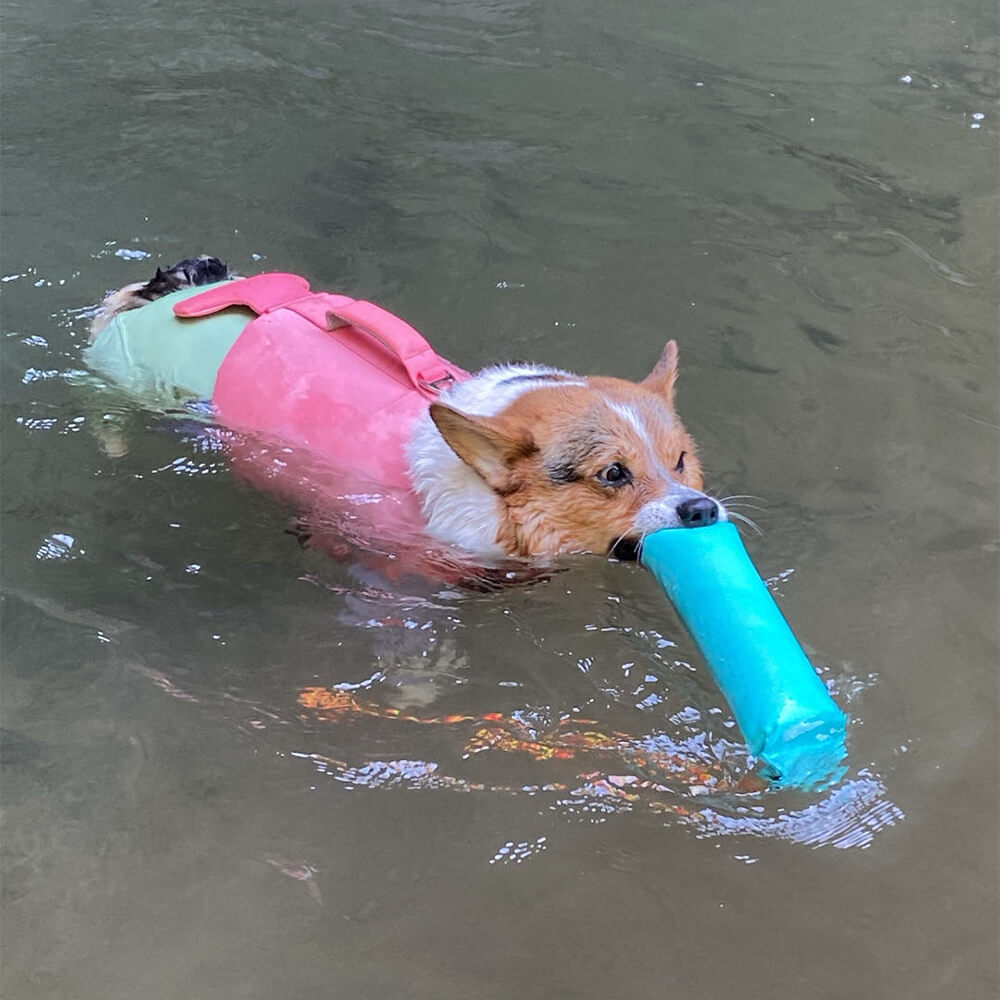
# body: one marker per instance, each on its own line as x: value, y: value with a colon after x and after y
x: 698, y: 512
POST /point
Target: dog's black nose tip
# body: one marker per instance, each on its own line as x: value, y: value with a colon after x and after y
x: 698, y: 512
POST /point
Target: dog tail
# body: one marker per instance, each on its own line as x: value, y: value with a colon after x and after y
x: 191, y: 271
x: 187, y: 273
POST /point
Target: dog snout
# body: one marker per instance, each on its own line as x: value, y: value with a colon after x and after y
x: 697, y: 512
x: 681, y: 507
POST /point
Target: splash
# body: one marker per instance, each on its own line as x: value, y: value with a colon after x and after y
x: 707, y: 788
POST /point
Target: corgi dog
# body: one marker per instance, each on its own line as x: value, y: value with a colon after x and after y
x: 523, y: 460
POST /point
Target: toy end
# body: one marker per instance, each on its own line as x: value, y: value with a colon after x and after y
x: 782, y: 706
x: 809, y: 756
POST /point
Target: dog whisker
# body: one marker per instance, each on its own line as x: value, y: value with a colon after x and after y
x: 618, y: 541
x: 630, y: 555
x: 746, y: 520
x: 639, y: 545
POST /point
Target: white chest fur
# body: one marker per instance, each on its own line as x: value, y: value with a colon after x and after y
x: 459, y: 507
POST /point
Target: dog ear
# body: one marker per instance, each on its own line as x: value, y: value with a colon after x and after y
x: 663, y: 376
x: 489, y: 445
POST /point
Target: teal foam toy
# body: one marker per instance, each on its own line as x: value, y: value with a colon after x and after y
x: 783, y: 708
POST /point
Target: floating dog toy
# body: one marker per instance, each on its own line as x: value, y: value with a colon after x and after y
x: 780, y: 703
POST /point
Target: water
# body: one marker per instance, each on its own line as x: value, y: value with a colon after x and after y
x: 805, y: 197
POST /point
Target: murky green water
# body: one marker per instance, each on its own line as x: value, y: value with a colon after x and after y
x: 806, y: 198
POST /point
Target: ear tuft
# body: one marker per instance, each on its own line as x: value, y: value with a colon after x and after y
x: 488, y: 445
x: 663, y: 376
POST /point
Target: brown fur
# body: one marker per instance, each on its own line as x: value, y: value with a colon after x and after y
x: 545, y: 456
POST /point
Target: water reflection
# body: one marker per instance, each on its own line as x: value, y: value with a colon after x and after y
x: 582, y: 772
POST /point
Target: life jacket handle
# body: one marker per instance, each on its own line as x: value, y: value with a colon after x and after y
x: 426, y: 370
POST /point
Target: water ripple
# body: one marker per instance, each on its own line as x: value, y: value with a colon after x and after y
x: 847, y: 816
x: 850, y: 816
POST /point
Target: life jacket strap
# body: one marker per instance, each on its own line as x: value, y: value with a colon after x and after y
x: 266, y: 293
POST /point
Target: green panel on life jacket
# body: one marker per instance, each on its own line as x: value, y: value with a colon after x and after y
x: 161, y: 358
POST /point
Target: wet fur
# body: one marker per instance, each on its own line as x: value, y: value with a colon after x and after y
x: 516, y: 463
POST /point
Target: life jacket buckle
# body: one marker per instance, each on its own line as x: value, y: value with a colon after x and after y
x: 438, y: 385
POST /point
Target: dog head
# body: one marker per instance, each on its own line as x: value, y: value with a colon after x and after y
x: 585, y: 464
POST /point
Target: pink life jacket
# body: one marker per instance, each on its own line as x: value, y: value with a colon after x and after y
x: 339, y: 376
x: 326, y: 390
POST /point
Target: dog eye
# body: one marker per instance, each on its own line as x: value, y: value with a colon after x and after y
x: 615, y: 474
x: 679, y: 467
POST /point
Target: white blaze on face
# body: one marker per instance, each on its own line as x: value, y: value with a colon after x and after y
x: 638, y: 422
x: 661, y: 512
